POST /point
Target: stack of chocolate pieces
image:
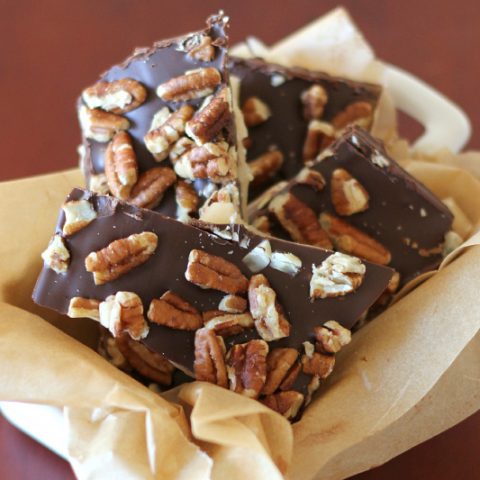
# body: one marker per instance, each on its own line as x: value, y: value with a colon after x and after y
x: 161, y: 253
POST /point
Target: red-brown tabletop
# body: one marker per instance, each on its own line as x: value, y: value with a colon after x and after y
x: 50, y: 50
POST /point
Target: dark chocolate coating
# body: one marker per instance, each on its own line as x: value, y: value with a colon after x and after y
x: 287, y: 127
x: 151, y: 67
x: 165, y: 270
x: 395, y: 205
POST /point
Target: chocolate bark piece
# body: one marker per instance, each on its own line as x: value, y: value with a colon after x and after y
x: 368, y: 206
x: 184, y: 120
x: 295, y: 99
x: 216, y: 251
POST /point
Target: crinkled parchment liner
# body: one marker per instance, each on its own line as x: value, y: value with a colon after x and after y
x: 408, y: 375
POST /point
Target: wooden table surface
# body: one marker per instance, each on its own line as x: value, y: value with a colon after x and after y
x: 50, y: 50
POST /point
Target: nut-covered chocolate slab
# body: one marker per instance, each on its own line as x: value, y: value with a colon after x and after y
x: 292, y: 104
x: 369, y: 206
x: 165, y: 271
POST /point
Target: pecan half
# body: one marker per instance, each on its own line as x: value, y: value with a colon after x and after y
x: 193, y: 84
x: 123, y: 313
x: 270, y: 320
x: 210, y: 314
x: 266, y: 166
x: 347, y: 193
x: 120, y: 256
x: 232, y: 304
x: 287, y: 403
x: 337, y: 275
x: 78, y: 214
x: 173, y: 311
x: 312, y: 178
x: 247, y: 367
x: 349, y: 239
x: 121, y: 168
x: 319, y: 136
x: 255, y: 112
x: 228, y: 324
x: 314, y: 100
x: 187, y: 200
x: 151, y: 186
x: 210, y: 118
x: 331, y: 337
x: 166, y: 129
x: 57, y: 256
x: 84, y: 308
x: 279, y: 363
x: 99, y: 125
x: 181, y: 146
x: 358, y: 113
x: 209, y: 271
x: 118, y: 96
x: 299, y: 220
x: 209, y: 365
x: 199, y: 47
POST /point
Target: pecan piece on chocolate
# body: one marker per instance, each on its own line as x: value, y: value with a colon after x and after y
x: 349, y: 239
x: 312, y: 178
x: 259, y: 257
x: 78, y: 214
x: 331, y: 337
x: 222, y: 206
x: 266, y: 166
x: 227, y: 324
x: 123, y: 313
x: 314, y: 100
x: 209, y: 365
x: 97, y: 183
x: 187, y: 200
x: 232, y: 304
x: 247, y: 367
x: 318, y: 364
x: 80, y: 307
x: 200, y: 47
x: 347, y: 193
x: 358, y: 113
x: 99, y: 125
x: 255, y: 112
x: 166, y: 129
x: 120, y: 256
x: 209, y: 120
x: 280, y: 362
x: 270, y: 320
x: 337, y: 275
x: 118, y: 96
x: 209, y: 271
x: 57, y: 256
x: 173, y: 311
x: 121, y: 168
x: 287, y: 403
x: 151, y: 186
x: 299, y: 221
x: 286, y: 262
x: 319, y: 136
x: 193, y: 84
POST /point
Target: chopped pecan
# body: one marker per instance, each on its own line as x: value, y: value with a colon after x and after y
x: 247, y: 367
x: 358, y: 113
x: 267, y: 312
x: 151, y: 186
x: 255, y: 112
x: 331, y: 337
x: 209, y: 271
x: 84, y: 308
x: 312, y: 387
x: 287, y: 403
x: 187, y: 200
x: 337, y: 275
x: 210, y: 314
x: 209, y: 365
x: 394, y: 283
x: 347, y: 193
x: 78, y: 214
x: 151, y: 365
x: 349, y: 239
x: 173, y: 311
x: 166, y: 130
x: 193, y: 84
x: 314, y: 100
x: 200, y: 47
x: 181, y: 146
x: 319, y: 136
x: 262, y: 224
x: 299, y: 220
x: 121, y: 256
x: 259, y: 257
x: 222, y: 206
x: 286, y: 262
x: 266, y: 166
x: 57, y: 256
x: 99, y: 125
x: 211, y: 118
x: 121, y: 168
x: 279, y: 363
x: 312, y: 178
x: 123, y: 312
x: 228, y: 324
x: 318, y: 364
x: 118, y: 96
x: 232, y: 304
x: 98, y: 183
